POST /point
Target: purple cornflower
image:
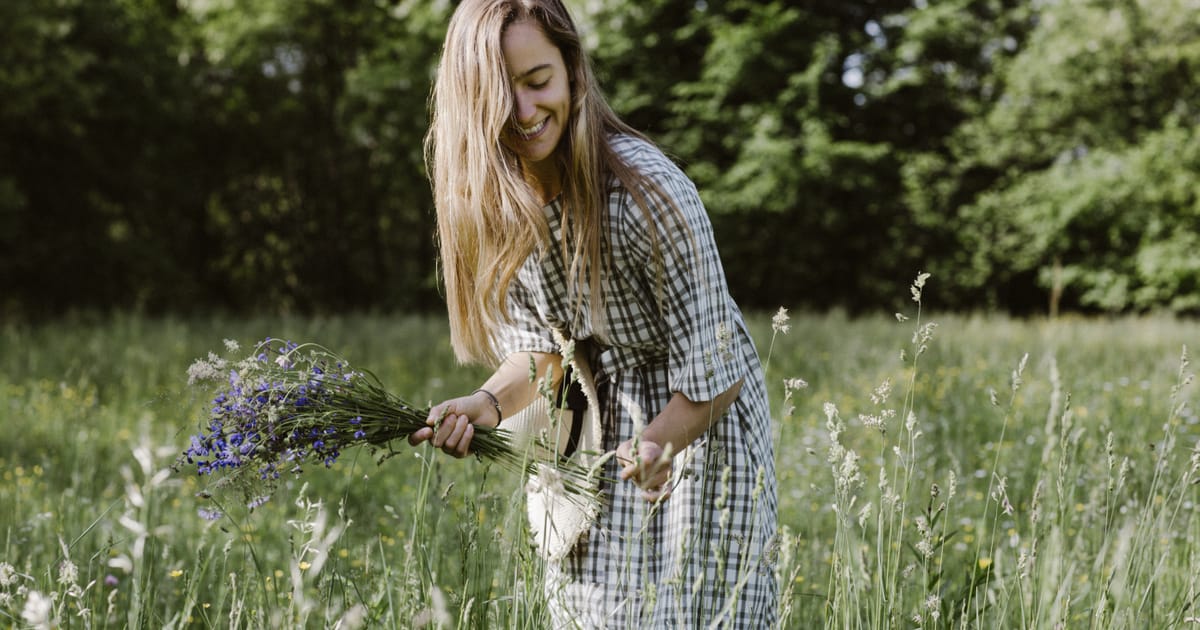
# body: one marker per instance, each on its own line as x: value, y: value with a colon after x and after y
x: 210, y: 515
x: 282, y: 407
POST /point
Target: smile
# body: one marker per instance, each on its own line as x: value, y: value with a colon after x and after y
x: 529, y: 133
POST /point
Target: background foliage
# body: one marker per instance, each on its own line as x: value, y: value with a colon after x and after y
x: 265, y: 155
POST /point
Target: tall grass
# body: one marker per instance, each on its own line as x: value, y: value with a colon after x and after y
x: 985, y: 472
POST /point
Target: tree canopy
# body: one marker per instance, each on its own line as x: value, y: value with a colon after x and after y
x: 265, y: 155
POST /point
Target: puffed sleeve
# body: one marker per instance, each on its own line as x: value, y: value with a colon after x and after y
x: 702, y: 327
x: 527, y: 330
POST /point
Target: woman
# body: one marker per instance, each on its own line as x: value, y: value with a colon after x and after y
x: 555, y: 216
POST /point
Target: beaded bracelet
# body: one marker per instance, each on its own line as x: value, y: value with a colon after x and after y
x: 495, y: 403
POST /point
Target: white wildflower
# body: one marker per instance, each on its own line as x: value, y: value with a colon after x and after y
x: 849, y: 473
x: 1016, y: 375
x: 353, y: 618
x: 37, y: 611
x: 933, y: 604
x: 923, y: 335
x: 792, y: 384
x: 881, y: 393
x: 231, y: 345
x: 437, y: 614
x: 68, y: 573
x: 872, y: 422
x: 863, y: 514
x: 206, y: 369
x: 8, y: 574
x: 779, y: 321
x: 1000, y: 495
x: 917, y: 285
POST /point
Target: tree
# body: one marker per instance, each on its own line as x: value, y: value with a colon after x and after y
x: 325, y: 204
x: 1079, y: 169
x: 92, y: 109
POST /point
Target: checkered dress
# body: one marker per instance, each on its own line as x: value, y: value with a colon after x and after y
x: 700, y: 555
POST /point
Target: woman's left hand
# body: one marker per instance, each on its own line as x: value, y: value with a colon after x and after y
x: 649, y: 468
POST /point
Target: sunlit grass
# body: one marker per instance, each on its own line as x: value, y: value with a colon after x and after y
x: 1095, y: 527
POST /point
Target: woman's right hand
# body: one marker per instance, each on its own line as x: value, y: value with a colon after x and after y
x: 452, y: 423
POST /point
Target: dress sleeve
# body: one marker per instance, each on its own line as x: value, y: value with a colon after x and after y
x: 527, y: 330
x: 701, y: 324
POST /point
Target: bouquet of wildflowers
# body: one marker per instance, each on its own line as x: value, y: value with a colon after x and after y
x: 288, y: 406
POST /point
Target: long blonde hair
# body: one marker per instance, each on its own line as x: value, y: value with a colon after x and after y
x: 489, y: 219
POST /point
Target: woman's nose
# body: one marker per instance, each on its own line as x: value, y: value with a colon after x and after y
x: 524, y: 108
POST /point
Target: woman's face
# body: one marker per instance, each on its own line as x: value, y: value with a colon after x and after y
x: 541, y: 94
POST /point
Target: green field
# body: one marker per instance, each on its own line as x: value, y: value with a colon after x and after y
x: 1016, y: 474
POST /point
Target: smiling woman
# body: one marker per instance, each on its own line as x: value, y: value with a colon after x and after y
x: 566, y: 232
x: 542, y: 103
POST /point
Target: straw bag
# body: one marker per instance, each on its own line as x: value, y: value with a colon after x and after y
x: 557, y: 518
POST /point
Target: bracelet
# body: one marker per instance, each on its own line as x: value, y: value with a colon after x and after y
x: 495, y: 403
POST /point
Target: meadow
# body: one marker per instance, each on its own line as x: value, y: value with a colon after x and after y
x: 937, y: 472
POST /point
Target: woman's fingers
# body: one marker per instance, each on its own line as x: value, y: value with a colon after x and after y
x: 660, y: 494
x: 459, y: 440
x: 450, y: 427
x: 424, y: 435
x: 649, y: 468
x: 420, y: 435
x: 657, y: 473
x: 454, y: 435
x: 445, y: 428
x: 464, y: 442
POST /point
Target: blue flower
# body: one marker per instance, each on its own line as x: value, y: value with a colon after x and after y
x: 210, y: 515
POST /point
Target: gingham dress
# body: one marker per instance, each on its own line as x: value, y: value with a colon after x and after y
x: 700, y: 555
